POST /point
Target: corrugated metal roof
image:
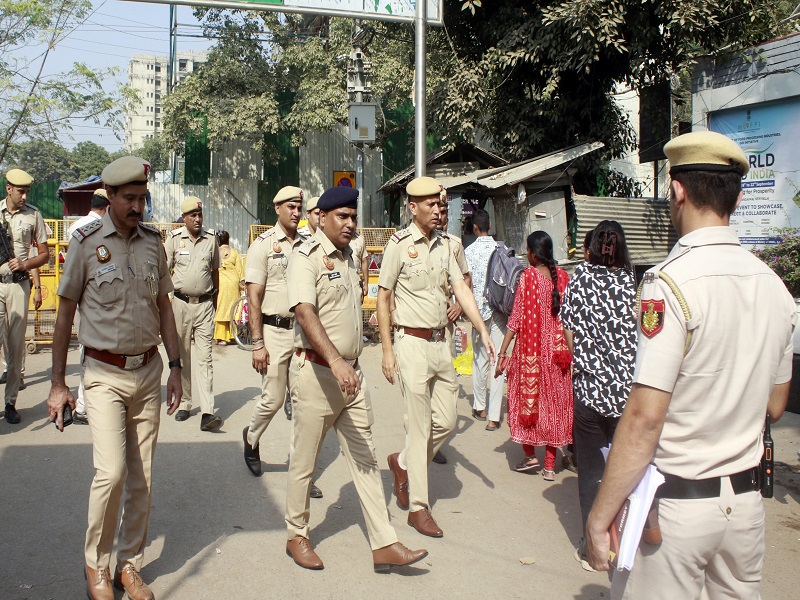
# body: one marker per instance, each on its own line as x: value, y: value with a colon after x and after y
x: 648, y: 229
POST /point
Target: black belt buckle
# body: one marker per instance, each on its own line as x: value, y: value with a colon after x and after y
x: 278, y: 321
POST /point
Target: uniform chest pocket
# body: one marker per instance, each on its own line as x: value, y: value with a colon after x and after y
x: 26, y: 233
x: 276, y: 267
x: 335, y: 294
x: 419, y: 278
x: 110, y: 286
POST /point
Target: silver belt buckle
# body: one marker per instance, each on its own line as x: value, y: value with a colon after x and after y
x: 134, y: 362
x: 437, y: 336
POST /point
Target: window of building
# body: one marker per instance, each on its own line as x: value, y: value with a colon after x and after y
x: 158, y: 68
x: 182, y: 64
x: 158, y: 123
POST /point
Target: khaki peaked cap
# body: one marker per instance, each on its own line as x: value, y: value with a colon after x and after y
x: 191, y: 204
x: 422, y: 187
x: 312, y: 203
x: 287, y: 193
x: 19, y: 178
x: 705, y: 151
x: 128, y: 169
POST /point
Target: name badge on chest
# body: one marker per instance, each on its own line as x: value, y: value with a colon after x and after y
x: 332, y: 276
x: 106, y: 269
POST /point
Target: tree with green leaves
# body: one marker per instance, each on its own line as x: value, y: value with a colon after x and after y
x: 38, y: 106
x: 88, y: 160
x: 152, y: 150
x: 45, y: 160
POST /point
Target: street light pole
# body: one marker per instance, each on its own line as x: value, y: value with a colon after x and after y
x: 420, y: 23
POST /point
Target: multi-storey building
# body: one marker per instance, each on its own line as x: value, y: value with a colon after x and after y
x: 148, y: 75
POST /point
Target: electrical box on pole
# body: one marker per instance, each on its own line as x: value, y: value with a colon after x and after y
x: 361, y: 121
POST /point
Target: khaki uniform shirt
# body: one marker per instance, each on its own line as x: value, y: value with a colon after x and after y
x: 459, y: 254
x: 421, y: 274
x: 267, y: 262
x: 192, y: 262
x: 326, y: 278
x: 305, y: 231
x: 359, y: 248
x: 740, y: 346
x: 25, y: 228
x: 116, y: 283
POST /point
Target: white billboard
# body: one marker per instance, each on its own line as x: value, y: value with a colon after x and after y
x: 768, y: 133
x: 381, y: 10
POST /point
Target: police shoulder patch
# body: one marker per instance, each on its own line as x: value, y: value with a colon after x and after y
x: 398, y: 236
x: 308, y: 246
x: 651, y: 317
x: 82, y: 233
x: 150, y: 229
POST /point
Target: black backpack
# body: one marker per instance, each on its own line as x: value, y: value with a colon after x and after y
x: 502, y: 278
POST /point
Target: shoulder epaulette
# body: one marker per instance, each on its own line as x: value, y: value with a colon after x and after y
x: 399, y: 235
x: 307, y: 246
x: 150, y: 229
x: 82, y: 233
x: 175, y: 232
x: 266, y: 234
x: 211, y: 232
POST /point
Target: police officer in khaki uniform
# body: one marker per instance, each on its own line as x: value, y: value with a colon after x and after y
x: 327, y: 383
x: 193, y: 259
x: 272, y: 326
x: 116, y: 270
x: 312, y: 216
x: 24, y: 227
x: 419, y: 267
x: 714, y: 359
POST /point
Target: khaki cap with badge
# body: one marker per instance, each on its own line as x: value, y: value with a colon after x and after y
x: 19, y: 178
x: 287, y: 193
x: 312, y: 203
x: 422, y: 187
x: 101, y: 192
x: 191, y: 204
x: 125, y: 170
x: 705, y: 151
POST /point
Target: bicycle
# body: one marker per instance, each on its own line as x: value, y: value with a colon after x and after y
x: 240, y: 326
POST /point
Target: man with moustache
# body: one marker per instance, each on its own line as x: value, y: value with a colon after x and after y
x: 327, y: 383
x: 193, y: 258
x: 419, y: 267
x: 25, y: 228
x: 117, y: 272
x: 312, y: 216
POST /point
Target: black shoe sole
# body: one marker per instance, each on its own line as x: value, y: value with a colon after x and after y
x: 254, y: 470
x: 386, y: 567
x: 212, y: 424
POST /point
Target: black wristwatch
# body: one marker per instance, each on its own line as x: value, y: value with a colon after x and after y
x: 174, y: 363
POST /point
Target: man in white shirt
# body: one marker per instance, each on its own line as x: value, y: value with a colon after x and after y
x: 478, y: 254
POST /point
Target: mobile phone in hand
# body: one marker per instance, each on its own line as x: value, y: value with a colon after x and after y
x: 66, y: 416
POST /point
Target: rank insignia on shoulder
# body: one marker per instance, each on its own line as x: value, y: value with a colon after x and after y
x: 307, y: 246
x: 651, y: 319
x: 399, y: 235
x: 82, y: 233
x: 649, y: 277
x: 175, y: 232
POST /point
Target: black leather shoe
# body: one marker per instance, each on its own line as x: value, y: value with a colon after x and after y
x: 22, y: 384
x: 209, y: 422
x: 80, y: 418
x: 252, y: 456
x: 12, y: 416
x: 315, y: 492
x: 440, y: 459
x: 3, y: 377
x: 181, y: 415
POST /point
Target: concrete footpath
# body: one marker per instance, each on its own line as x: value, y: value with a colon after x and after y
x: 216, y: 532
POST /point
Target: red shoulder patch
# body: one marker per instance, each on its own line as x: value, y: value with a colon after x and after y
x: 651, y: 319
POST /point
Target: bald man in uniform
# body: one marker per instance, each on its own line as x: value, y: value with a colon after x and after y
x: 714, y: 359
x: 419, y: 266
x: 117, y: 272
x: 24, y: 227
x: 327, y: 383
x: 271, y: 321
x: 193, y: 258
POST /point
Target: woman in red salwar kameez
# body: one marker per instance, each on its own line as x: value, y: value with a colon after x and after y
x: 539, y: 380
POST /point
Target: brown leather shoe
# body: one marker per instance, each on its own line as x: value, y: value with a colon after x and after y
x: 98, y: 584
x: 395, y: 555
x: 400, y: 481
x: 129, y: 580
x: 303, y: 554
x: 422, y: 521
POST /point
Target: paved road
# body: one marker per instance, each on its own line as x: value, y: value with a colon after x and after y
x: 216, y: 532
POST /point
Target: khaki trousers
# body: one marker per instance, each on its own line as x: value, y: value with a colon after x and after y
x: 280, y: 345
x: 323, y: 405
x: 197, y: 319
x: 123, y: 409
x: 715, y: 543
x: 14, y: 299
x: 428, y: 384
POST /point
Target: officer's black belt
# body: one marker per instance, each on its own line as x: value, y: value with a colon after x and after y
x: 278, y: 321
x: 126, y: 362
x: 678, y: 488
x: 15, y: 277
x: 193, y: 299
